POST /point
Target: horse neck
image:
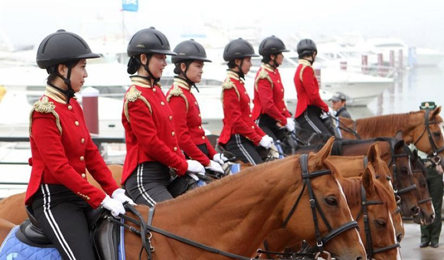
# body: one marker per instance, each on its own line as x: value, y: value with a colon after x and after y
x: 348, y: 166
x: 232, y: 209
x: 387, y: 125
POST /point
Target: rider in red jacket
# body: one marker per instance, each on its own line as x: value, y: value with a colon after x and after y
x: 311, y: 112
x: 151, y: 144
x: 58, y: 194
x: 240, y: 134
x: 189, y: 63
x: 270, y: 111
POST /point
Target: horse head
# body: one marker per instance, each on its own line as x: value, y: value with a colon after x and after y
x: 428, y: 135
x: 427, y: 214
x: 324, y: 200
x: 383, y: 175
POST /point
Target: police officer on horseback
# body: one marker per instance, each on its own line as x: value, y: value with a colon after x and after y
x: 151, y: 143
x: 311, y: 112
x: 59, y: 194
x: 240, y: 134
x: 189, y: 63
x: 270, y: 111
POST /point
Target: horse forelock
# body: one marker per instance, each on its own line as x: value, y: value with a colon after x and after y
x: 381, y: 125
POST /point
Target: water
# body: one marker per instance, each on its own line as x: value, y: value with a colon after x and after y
x: 410, y: 89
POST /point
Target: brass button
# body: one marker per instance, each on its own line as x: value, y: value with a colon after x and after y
x: 252, y: 126
x: 279, y: 81
x: 76, y: 123
x: 200, y: 127
x: 171, y: 118
x: 195, y: 102
x: 175, y: 148
x: 83, y: 175
x: 162, y: 103
x: 82, y: 158
x: 203, y: 137
x: 173, y: 134
x: 154, y: 90
x: 250, y: 115
x: 82, y: 140
x: 284, y: 109
x: 282, y: 90
x: 246, y: 93
x: 70, y: 107
x: 199, y: 115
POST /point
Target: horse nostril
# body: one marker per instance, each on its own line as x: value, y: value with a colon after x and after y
x: 415, y: 210
x: 359, y: 258
x: 399, y: 237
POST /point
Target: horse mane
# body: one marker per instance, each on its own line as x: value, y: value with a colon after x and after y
x: 264, y: 168
x: 380, y: 125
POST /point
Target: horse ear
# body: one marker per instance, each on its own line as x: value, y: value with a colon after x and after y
x: 368, y: 180
x: 325, y: 151
x: 414, y: 155
x: 373, y: 152
x: 398, y: 135
x: 399, y: 145
x: 435, y: 112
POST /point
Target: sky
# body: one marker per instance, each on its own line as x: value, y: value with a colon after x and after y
x: 418, y: 23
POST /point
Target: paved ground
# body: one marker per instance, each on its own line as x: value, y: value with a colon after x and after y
x: 410, y: 245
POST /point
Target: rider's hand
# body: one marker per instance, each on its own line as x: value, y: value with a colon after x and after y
x: 220, y: 158
x: 266, y: 141
x: 331, y: 111
x: 119, y: 194
x: 324, y: 115
x: 290, y: 124
x: 195, y: 167
x: 114, y: 206
x: 215, y: 167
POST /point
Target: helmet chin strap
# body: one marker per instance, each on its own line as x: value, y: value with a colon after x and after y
x: 190, y: 82
x: 151, y: 76
x: 241, y: 73
x: 68, y: 93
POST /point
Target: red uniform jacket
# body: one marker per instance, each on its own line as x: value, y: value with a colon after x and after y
x: 188, y: 122
x: 149, y: 129
x: 307, y: 88
x: 269, y: 95
x: 237, y: 111
x: 62, y: 150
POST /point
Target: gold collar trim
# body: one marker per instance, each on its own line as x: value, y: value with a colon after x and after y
x: 181, y: 83
x: 304, y: 62
x: 55, y: 95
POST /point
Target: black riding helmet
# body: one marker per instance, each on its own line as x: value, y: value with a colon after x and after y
x: 187, y: 52
x: 271, y: 45
x: 147, y: 41
x: 62, y: 47
x: 306, y: 47
x: 238, y: 49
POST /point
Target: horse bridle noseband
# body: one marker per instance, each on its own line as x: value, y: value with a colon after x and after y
x: 433, y: 155
x: 306, y: 176
x: 364, y: 213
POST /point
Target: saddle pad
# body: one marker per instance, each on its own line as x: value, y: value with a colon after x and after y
x: 14, y: 249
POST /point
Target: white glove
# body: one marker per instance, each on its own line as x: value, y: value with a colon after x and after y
x: 220, y: 158
x: 215, y: 167
x: 195, y: 167
x: 331, y: 111
x: 266, y: 141
x: 113, y: 205
x: 120, y: 196
x: 290, y: 124
x: 324, y: 115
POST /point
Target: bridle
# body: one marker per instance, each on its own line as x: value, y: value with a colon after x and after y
x: 364, y: 213
x: 433, y: 155
x: 315, y: 207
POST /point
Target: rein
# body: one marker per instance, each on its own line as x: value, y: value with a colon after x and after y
x: 436, y: 150
x: 343, y: 127
x: 364, y: 213
x: 306, y: 176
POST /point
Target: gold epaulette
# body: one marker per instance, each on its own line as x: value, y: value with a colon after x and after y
x: 263, y: 75
x: 305, y: 64
x: 131, y: 96
x: 228, y: 84
x: 44, y: 106
x: 176, y: 91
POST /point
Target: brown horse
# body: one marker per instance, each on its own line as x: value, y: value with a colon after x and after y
x: 236, y: 213
x: 422, y: 128
x: 379, y: 232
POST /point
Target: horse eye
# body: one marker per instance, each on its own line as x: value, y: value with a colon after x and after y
x: 436, y: 134
x: 330, y: 200
x: 380, y: 223
x: 404, y: 169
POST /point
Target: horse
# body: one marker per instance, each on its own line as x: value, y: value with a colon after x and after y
x: 371, y: 204
x: 225, y: 214
x: 422, y: 128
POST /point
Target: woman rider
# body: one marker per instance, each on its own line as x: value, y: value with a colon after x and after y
x: 151, y: 144
x: 240, y: 134
x: 310, y: 107
x: 270, y: 111
x: 189, y: 63
x: 62, y: 150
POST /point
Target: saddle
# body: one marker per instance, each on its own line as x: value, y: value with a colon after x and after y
x: 104, y: 234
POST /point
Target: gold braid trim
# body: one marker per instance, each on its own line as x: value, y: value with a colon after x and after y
x: 131, y: 96
x: 177, y: 92
x: 228, y: 84
x: 44, y: 106
x: 305, y: 64
x: 263, y: 75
